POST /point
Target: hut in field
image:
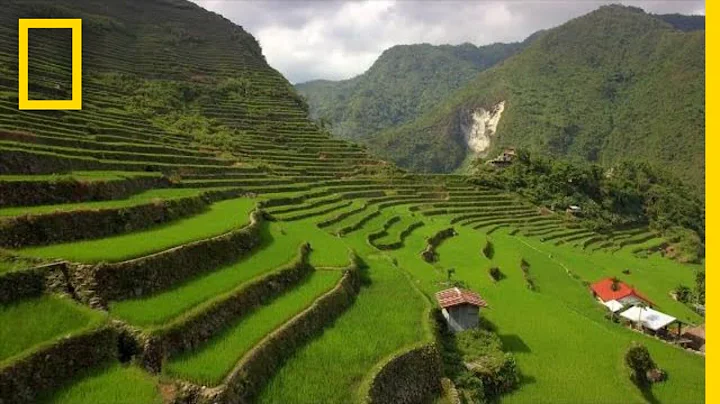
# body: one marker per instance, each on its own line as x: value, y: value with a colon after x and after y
x: 460, y: 307
x: 649, y: 319
x: 609, y: 289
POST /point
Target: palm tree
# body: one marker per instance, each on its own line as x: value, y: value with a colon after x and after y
x: 641, y: 306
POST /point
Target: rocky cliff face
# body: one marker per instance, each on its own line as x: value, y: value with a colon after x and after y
x: 479, y: 127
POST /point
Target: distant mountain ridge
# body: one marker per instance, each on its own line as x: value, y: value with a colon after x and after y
x: 404, y: 82
x: 685, y: 23
x: 612, y: 85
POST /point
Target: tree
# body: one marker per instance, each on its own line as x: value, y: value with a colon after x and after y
x: 639, y: 362
x: 700, y: 286
x: 641, y: 307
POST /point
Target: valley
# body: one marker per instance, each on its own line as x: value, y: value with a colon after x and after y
x: 193, y: 236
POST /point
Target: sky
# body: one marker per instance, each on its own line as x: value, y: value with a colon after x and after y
x: 339, y: 39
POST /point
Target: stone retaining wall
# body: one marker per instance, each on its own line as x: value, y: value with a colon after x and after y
x: 31, y: 282
x: 56, y: 227
x: 20, y: 161
x: 98, y: 284
x: 257, y: 367
x: 357, y: 225
x: 203, y: 323
x: 397, y: 244
x: 48, y: 367
x: 31, y: 193
x: 340, y: 217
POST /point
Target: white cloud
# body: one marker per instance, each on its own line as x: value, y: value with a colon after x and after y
x: 340, y: 39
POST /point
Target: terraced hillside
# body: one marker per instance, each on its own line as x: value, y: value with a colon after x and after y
x: 190, y: 236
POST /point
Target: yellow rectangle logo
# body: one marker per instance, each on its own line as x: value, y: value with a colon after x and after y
x: 75, y: 24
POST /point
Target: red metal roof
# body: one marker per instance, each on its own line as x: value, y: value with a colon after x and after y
x: 455, y: 296
x: 603, y: 289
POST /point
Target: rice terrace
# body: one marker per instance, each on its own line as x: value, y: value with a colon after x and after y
x: 198, y: 233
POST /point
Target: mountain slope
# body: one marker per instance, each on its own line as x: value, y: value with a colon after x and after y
x: 612, y: 85
x: 405, y: 81
x: 209, y: 243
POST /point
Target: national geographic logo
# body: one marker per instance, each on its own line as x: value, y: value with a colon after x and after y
x: 76, y: 100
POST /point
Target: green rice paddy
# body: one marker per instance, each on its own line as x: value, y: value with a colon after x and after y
x: 279, y: 248
x: 210, y: 363
x: 81, y: 176
x: 221, y: 217
x: 388, y: 315
x: 29, y: 323
x: 112, y: 385
x: 152, y: 195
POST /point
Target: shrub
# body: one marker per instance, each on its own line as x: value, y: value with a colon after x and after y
x: 495, y: 273
x: 471, y: 387
x: 529, y: 281
x: 499, y: 375
x: 497, y: 370
x: 488, y: 250
x: 524, y: 265
x: 683, y: 294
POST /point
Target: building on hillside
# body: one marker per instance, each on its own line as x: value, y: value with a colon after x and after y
x: 609, y: 289
x: 573, y: 210
x: 504, y: 159
x: 648, y: 319
x: 696, y: 336
x: 460, y: 307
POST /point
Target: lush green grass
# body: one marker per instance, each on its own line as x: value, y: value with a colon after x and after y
x: 137, y: 199
x: 28, y: 323
x: 220, y: 218
x: 113, y: 385
x: 387, y: 315
x: 212, y: 362
x: 81, y: 176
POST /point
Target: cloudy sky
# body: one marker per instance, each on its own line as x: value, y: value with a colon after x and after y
x: 339, y: 39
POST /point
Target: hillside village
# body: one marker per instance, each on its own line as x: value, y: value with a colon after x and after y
x: 193, y: 236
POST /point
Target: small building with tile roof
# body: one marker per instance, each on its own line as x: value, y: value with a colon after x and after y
x: 612, y: 289
x: 460, y: 307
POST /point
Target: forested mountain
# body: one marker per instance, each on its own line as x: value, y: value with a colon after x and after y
x: 612, y: 85
x: 684, y: 22
x: 405, y: 81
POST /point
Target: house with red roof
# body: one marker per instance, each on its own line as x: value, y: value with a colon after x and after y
x: 609, y: 289
x: 460, y: 307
